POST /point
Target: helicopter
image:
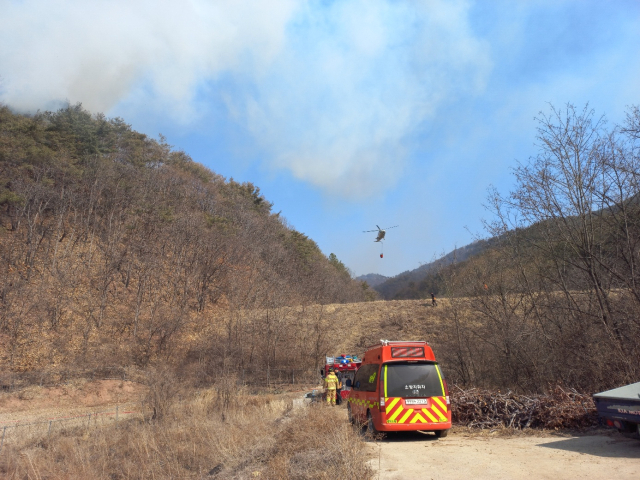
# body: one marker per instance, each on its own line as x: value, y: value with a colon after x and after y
x: 381, y: 232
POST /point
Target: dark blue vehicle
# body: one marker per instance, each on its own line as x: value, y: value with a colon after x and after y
x: 620, y: 408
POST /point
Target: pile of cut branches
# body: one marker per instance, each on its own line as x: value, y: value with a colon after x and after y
x: 562, y: 409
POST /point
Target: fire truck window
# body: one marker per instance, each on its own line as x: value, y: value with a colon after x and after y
x: 358, y: 381
x: 368, y: 377
x: 409, y: 380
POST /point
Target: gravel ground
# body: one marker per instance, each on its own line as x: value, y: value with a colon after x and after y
x: 422, y: 456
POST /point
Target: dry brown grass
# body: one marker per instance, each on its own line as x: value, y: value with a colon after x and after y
x: 207, y: 436
x: 362, y: 324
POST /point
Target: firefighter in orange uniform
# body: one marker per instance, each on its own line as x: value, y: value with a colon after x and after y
x: 331, y: 386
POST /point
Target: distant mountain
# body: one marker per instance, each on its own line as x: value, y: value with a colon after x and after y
x: 373, y: 279
x: 420, y: 282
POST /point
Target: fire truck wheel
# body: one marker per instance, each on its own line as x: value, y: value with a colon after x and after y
x: 371, y: 428
x: 441, y: 433
x: 352, y: 420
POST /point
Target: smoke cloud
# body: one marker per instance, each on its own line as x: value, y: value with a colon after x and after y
x: 332, y: 90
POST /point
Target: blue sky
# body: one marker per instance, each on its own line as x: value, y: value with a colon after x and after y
x: 347, y: 114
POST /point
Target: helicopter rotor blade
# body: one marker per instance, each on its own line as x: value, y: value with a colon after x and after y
x: 369, y: 231
x: 391, y: 227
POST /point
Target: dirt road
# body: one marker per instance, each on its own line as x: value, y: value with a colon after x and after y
x: 34, y: 412
x: 421, y: 456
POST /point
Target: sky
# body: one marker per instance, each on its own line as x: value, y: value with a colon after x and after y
x: 347, y: 114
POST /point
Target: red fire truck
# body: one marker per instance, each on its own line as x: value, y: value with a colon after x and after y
x: 400, y: 386
x: 345, y: 367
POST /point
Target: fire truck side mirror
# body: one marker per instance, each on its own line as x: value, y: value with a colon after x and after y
x: 322, y: 372
x: 357, y: 386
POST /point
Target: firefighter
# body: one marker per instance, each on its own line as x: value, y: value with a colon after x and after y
x: 331, y: 385
x: 339, y: 389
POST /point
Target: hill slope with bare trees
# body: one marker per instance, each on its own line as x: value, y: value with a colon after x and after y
x: 116, y: 249
x: 554, y: 296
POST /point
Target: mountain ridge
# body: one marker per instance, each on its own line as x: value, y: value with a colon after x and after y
x: 416, y: 283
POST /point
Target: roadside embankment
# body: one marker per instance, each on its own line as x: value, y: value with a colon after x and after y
x: 194, y: 434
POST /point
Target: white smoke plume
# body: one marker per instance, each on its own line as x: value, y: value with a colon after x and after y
x: 332, y: 90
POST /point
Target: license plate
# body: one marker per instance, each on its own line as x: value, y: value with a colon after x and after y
x: 417, y: 401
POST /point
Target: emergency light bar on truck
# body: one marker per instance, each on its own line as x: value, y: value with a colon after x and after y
x: 386, y: 343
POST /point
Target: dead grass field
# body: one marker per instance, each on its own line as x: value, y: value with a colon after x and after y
x: 224, y: 432
x: 200, y: 436
x: 355, y: 326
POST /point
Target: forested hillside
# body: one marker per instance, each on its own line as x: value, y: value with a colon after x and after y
x: 372, y: 279
x: 558, y: 297
x: 116, y: 249
x: 420, y: 282
x: 553, y: 295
